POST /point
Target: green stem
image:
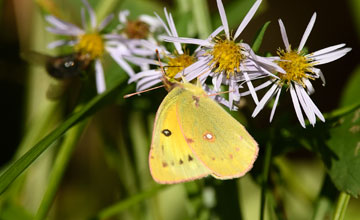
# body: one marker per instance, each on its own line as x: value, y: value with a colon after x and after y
x: 202, y: 18
x: 267, y: 163
x: 121, y: 206
x: 341, y: 206
x: 63, y: 157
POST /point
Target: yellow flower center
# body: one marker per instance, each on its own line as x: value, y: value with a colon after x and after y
x: 137, y: 29
x: 227, y: 56
x: 91, y: 44
x: 178, y: 63
x: 297, y: 67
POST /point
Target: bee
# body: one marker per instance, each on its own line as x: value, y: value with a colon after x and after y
x: 66, y: 69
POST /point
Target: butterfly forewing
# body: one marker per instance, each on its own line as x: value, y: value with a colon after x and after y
x: 220, y: 142
x: 171, y: 159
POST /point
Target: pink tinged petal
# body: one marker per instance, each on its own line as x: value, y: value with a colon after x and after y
x: 297, y: 106
x: 327, y: 58
x: 284, y: 35
x: 247, y: 18
x: 275, y: 104
x: 313, y: 107
x: 144, y: 74
x: 307, y: 32
x: 251, y: 88
x: 100, y: 78
x: 123, y: 16
x: 310, y: 114
x: 268, y: 95
x: 105, y: 22
x: 91, y: 14
x: 325, y: 50
x: 261, y: 86
x: 223, y: 18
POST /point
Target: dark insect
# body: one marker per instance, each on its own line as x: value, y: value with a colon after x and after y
x: 60, y: 67
x: 65, y: 68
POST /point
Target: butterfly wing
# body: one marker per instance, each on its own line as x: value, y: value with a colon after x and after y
x: 170, y: 159
x: 220, y: 142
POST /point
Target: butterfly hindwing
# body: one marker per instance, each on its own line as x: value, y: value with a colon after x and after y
x: 171, y: 159
x: 220, y: 142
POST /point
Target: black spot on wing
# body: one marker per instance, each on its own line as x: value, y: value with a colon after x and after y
x: 166, y: 132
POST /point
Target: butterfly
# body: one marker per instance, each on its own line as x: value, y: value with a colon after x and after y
x: 194, y: 137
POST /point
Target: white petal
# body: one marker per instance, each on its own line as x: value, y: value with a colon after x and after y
x: 275, y: 104
x: 284, y: 35
x: 215, y: 33
x: 307, y: 32
x: 247, y: 18
x: 261, y: 86
x: 223, y: 18
x: 123, y: 16
x: 310, y: 114
x: 325, y: 50
x: 296, y: 106
x: 313, y: 107
x: 57, y: 43
x: 268, y: 95
x: 310, y: 89
x: 100, y: 78
x: 251, y: 88
x: 184, y: 40
x: 91, y: 14
x: 149, y: 84
x: 144, y: 74
x: 327, y: 58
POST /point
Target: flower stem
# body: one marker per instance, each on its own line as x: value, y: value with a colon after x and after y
x: 63, y: 157
x: 267, y: 163
x: 202, y: 18
x: 341, y: 206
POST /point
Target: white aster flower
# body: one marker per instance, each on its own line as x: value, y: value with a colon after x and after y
x: 300, y: 69
x: 227, y: 61
x: 91, y: 42
x: 176, y: 61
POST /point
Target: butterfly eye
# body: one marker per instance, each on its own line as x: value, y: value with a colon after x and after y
x: 166, y: 132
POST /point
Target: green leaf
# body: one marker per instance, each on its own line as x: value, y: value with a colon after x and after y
x: 352, y: 89
x: 344, y: 163
x: 259, y: 37
x: 17, y: 167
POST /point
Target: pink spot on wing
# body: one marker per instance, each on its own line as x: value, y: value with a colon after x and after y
x: 152, y: 157
x: 241, y: 138
x: 213, y: 158
x: 189, y: 140
x: 231, y: 156
x: 237, y: 149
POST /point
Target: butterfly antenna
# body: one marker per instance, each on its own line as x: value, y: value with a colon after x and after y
x: 168, y: 85
x: 146, y: 90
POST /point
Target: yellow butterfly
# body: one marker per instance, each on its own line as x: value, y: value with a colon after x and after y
x: 194, y: 137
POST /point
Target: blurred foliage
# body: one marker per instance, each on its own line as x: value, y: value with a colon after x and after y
x: 103, y: 172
